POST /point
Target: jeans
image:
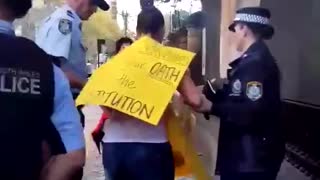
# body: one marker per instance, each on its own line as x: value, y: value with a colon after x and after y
x: 79, y: 108
x: 138, y: 161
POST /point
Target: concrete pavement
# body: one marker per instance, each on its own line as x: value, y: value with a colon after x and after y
x: 206, y: 134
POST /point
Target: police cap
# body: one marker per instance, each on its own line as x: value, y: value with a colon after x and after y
x: 102, y: 4
x: 257, y: 18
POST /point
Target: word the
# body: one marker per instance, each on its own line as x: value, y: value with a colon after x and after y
x: 15, y: 84
x: 127, y: 104
x: 126, y: 82
x: 164, y: 72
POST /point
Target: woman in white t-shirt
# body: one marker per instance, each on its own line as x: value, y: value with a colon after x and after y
x: 97, y: 133
x: 132, y: 149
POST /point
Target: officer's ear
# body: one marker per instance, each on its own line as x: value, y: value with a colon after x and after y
x: 244, y: 29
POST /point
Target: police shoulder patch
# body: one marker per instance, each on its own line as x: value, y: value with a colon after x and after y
x: 254, y: 90
x: 70, y: 14
x: 236, y: 86
x: 65, y: 26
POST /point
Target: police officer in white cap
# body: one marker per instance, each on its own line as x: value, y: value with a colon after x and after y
x: 60, y: 35
x: 251, y: 143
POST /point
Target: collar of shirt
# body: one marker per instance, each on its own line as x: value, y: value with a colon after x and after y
x: 75, y: 15
x: 257, y: 47
x: 235, y: 62
x: 6, y: 28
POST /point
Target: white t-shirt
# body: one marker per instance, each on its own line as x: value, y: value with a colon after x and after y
x: 123, y: 128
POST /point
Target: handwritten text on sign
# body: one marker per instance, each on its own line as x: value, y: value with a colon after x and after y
x: 139, y: 81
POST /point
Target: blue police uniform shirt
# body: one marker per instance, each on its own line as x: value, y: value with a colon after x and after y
x: 60, y: 35
x: 65, y: 116
x: 6, y: 28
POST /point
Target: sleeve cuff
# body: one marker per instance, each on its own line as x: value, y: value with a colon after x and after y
x: 215, y: 109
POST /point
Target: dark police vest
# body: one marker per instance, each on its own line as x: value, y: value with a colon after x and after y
x: 26, y: 105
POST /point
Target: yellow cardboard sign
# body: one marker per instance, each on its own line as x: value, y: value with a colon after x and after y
x: 188, y: 164
x: 139, y: 81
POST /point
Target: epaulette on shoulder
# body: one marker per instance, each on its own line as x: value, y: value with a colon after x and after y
x: 253, y: 55
x: 70, y: 14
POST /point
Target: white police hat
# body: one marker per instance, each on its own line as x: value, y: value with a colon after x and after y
x: 257, y: 17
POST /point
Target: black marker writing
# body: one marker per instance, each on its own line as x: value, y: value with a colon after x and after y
x: 164, y: 72
x: 126, y: 82
x: 127, y: 103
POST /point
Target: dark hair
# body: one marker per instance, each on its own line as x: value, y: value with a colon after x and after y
x: 121, y: 41
x: 150, y: 21
x: 196, y: 20
x: 260, y: 31
x: 18, y: 8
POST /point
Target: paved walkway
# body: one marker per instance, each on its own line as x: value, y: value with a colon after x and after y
x: 205, y: 136
x: 93, y: 169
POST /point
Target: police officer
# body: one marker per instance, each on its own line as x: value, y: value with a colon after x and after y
x: 251, y: 145
x: 36, y: 106
x: 60, y: 35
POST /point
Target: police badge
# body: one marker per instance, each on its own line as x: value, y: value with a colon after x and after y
x: 236, y: 88
x: 65, y: 26
x: 254, y: 90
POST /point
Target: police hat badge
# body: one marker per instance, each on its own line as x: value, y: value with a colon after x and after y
x: 65, y: 26
x: 254, y: 90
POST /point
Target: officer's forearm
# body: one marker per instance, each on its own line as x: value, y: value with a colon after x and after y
x: 240, y: 113
x: 75, y: 81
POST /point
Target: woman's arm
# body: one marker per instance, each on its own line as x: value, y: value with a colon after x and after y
x: 189, y: 91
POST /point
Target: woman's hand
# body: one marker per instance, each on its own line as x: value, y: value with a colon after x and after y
x: 205, y: 105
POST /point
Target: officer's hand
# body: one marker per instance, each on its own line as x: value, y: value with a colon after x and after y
x: 211, y: 86
x: 209, y: 91
x: 218, y: 83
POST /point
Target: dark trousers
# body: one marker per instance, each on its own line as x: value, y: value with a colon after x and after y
x: 82, y: 117
x: 249, y: 176
x: 79, y: 175
x: 79, y: 108
x: 138, y: 161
